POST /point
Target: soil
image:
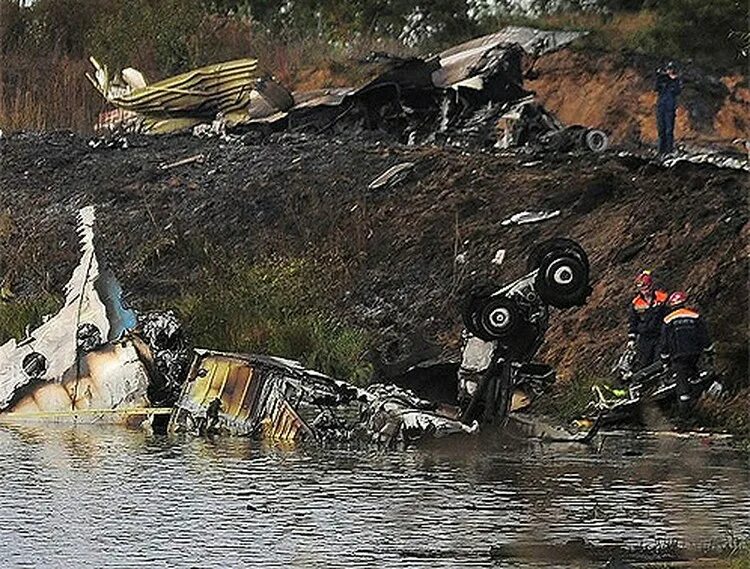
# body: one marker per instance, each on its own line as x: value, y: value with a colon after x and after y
x: 390, y: 252
x: 614, y: 91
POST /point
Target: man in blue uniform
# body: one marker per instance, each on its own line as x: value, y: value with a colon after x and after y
x: 668, y: 86
x: 684, y: 338
x: 647, y: 310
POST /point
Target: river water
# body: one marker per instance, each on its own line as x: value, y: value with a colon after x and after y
x: 109, y: 497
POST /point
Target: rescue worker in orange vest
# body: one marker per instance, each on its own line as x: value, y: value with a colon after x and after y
x: 647, y: 312
x: 684, y: 339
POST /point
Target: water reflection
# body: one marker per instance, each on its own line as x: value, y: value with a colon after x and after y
x: 115, y: 498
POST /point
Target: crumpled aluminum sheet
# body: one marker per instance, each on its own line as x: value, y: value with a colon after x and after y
x: 394, y: 415
x: 164, y: 334
x: 393, y: 176
x: 457, y: 64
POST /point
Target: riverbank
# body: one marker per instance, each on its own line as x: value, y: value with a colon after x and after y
x: 283, y: 234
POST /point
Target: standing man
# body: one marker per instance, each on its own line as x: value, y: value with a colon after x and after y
x: 647, y: 312
x: 684, y: 338
x: 668, y: 86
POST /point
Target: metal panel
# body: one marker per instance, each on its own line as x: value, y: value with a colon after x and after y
x: 252, y: 391
x: 109, y: 386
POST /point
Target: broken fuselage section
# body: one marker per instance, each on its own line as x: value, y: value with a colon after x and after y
x: 96, y: 361
x: 278, y: 400
x: 80, y: 361
x: 471, y: 94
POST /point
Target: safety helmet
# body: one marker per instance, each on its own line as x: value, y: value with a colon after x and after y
x: 676, y: 299
x: 644, y: 280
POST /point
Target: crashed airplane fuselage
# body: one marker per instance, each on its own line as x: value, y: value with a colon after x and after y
x: 97, y: 361
x: 463, y: 96
x: 278, y: 400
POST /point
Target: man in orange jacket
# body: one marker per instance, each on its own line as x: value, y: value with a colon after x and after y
x: 684, y: 338
x: 647, y: 312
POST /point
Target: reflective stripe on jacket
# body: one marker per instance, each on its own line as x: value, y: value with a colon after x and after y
x: 646, y: 317
x: 684, y: 333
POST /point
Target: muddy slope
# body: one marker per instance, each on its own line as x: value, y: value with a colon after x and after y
x: 392, y: 249
x: 614, y: 91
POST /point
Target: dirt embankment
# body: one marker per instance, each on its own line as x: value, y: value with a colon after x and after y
x: 391, y: 251
x: 614, y: 91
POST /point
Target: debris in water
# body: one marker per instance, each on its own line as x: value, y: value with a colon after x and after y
x: 81, y: 358
x: 97, y: 361
x: 279, y: 400
x: 654, y: 384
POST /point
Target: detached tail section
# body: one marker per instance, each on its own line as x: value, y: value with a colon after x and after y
x: 51, y: 349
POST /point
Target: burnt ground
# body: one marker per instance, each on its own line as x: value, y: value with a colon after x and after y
x: 389, y: 253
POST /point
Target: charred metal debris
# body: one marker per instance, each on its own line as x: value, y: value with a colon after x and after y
x: 98, y: 361
x: 469, y: 95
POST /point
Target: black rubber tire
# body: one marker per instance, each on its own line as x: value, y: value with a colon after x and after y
x: 560, y: 244
x: 497, y: 318
x: 596, y: 140
x: 473, y: 299
x: 563, y: 280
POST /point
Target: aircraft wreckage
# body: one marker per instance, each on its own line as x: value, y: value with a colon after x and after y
x: 470, y: 94
x: 98, y: 361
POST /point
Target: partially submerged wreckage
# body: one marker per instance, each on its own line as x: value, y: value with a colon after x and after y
x: 652, y: 385
x: 470, y: 94
x: 97, y: 361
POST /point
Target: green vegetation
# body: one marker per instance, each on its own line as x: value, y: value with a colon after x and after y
x: 711, y: 34
x: 729, y: 413
x: 567, y: 402
x: 708, y: 32
x: 740, y: 559
x: 279, y: 307
x: 17, y: 316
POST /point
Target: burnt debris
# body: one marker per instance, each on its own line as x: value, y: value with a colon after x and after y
x: 468, y: 95
x: 98, y: 361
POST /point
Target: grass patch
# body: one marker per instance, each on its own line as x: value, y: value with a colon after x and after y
x: 17, y: 316
x: 740, y: 559
x: 281, y: 307
x: 566, y: 402
x: 730, y: 413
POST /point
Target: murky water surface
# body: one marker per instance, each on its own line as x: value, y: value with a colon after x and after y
x: 73, y: 497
